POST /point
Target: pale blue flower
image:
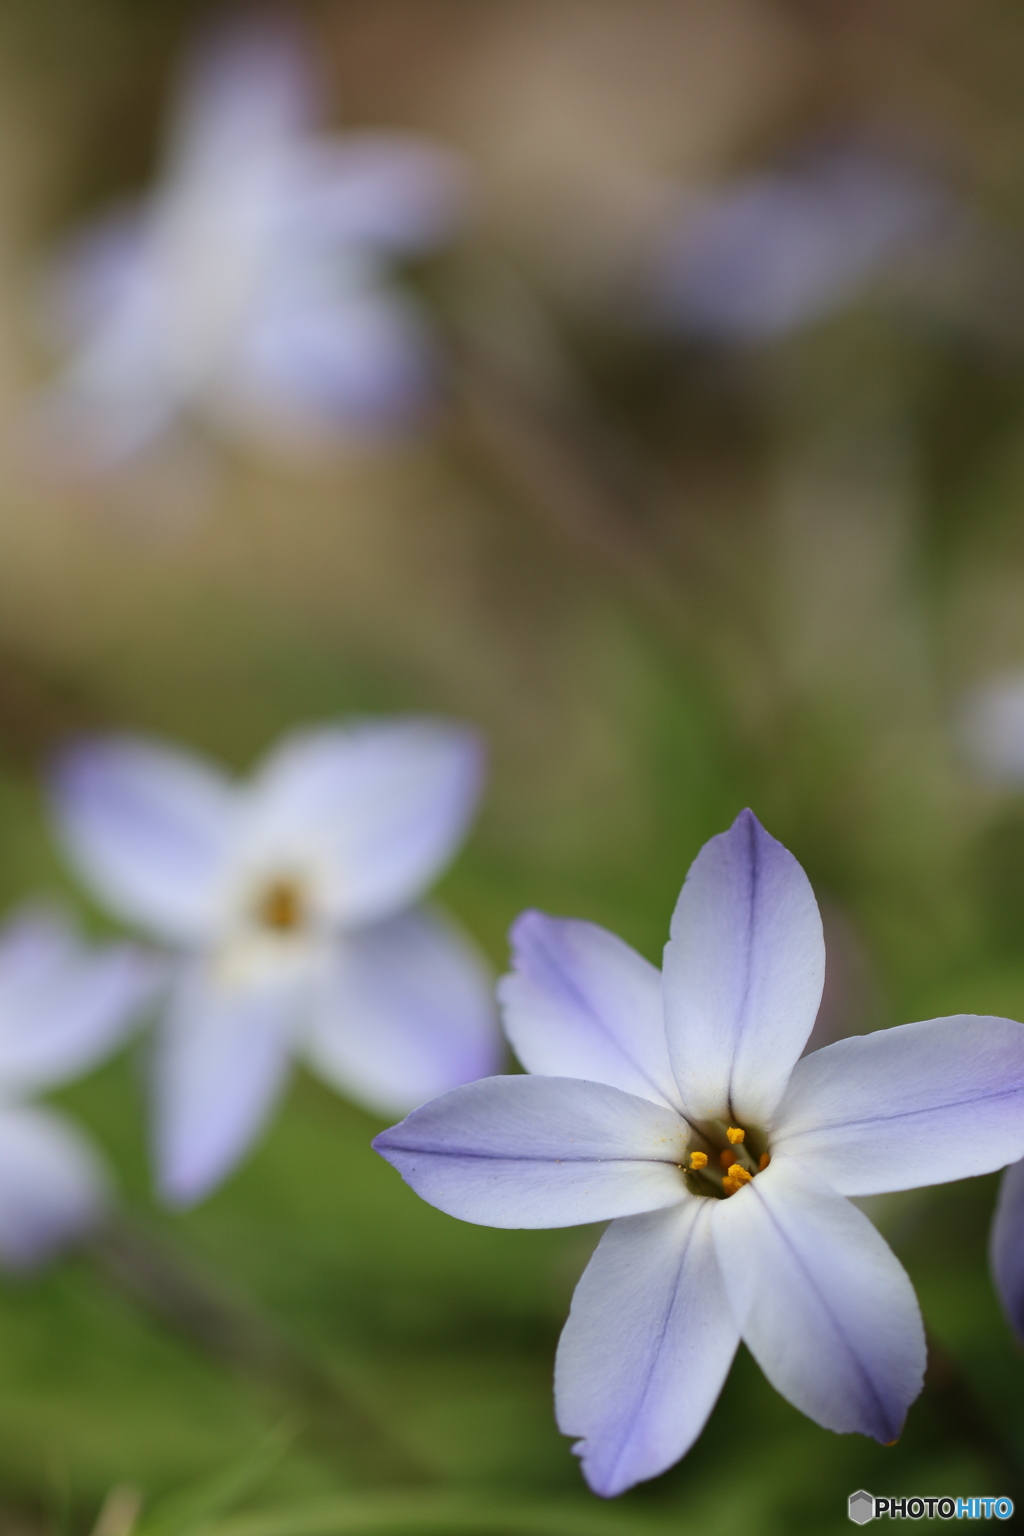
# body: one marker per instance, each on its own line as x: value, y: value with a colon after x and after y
x: 292, y: 903
x: 251, y: 289
x: 63, y: 1008
x: 778, y: 250
x: 642, y: 1077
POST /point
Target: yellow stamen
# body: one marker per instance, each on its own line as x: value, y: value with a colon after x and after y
x: 764, y: 1161
x: 735, y: 1134
x: 739, y: 1175
x: 727, y: 1158
x: 730, y: 1185
x: 698, y: 1160
x: 281, y: 906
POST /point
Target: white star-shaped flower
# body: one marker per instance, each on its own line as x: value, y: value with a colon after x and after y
x: 292, y: 902
x: 250, y: 290
x: 676, y: 1104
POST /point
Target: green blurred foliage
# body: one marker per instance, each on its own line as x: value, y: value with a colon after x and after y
x: 676, y: 587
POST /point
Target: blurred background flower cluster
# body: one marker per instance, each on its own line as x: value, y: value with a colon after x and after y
x: 640, y: 382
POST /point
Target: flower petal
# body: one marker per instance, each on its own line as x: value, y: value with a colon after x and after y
x: 378, y: 807
x: 1006, y: 1247
x: 310, y: 366
x: 392, y: 192
x: 580, y: 1003
x: 743, y: 974
x: 406, y: 1013
x: 221, y: 1062
x: 991, y: 729
x: 822, y: 1303
x: 62, y: 1006
x: 648, y: 1344
x: 539, y: 1152
x: 52, y: 1185
x: 147, y: 828
x: 919, y: 1104
x: 247, y: 92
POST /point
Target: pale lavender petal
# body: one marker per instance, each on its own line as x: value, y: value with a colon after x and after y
x: 1006, y: 1247
x: 53, y: 1188
x: 376, y: 808
x: 779, y: 250
x: 580, y: 1003
x: 86, y: 287
x: 247, y: 92
x: 540, y: 1152
x: 407, y: 1012
x: 311, y: 366
x: 822, y: 1303
x: 386, y: 191
x: 648, y: 1344
x: 991, y: 729
x: 221, y: 1063
x: 919, y: 1104
x: 63, y: 1006
x: 147, y: 828
x: 743, y: 975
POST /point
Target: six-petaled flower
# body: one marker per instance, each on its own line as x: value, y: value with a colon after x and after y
x: 292, y: 901
x: 251, y: 291
x: 677, y: 1105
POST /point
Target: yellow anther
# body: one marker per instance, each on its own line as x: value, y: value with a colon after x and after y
x: 739, y: 1175
x: 698, y: 1160
x: 281, y: 906
x: 763, y: 1161
x: 727, y: 1158
x: 730, y: 1185
x: 736, y: 1134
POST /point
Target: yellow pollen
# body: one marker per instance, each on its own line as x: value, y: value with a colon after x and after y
x: 764, y: 1161
x: 736, y: 1134
x: 730, y: 1185
x: 727, y: 1159
x: 739, y: 1175
x: 698, y: 1160
x: 280, y: 906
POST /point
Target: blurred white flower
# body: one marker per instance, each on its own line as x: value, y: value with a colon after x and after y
x: 290, y: 900
x: 62, y: 1008
x: 250, y: 290
x: 991, y: 729
x: 776, y: 251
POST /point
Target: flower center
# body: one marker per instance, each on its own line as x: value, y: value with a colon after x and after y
x: 281, y: 906
x: 725, y: 1157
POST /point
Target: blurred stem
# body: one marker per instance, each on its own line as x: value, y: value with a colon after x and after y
x: 526, y: 412
x: 171, y: 1288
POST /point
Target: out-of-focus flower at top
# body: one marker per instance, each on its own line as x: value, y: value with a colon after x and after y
x: 677, y: 1104
x: 62, y: 1008
x: 251, y: 291
x: 777, y: 251
x: 292, y: 903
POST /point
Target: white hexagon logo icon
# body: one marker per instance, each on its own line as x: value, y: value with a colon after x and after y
x: 862, y: 1507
